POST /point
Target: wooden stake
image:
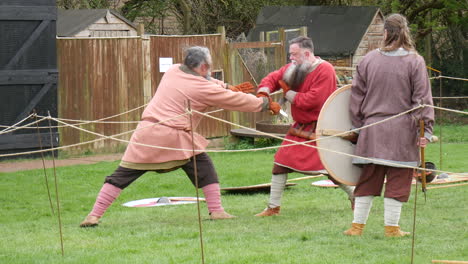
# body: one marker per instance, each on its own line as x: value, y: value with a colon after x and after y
x: 196, y: 182
x: 306, y: 177
x: 447, y: 186
x: 423, y: 162
x: 56, y: 186
x: 450, y: 261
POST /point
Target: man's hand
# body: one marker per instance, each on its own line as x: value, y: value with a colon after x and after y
x: 244, y: 87
x: 284, y: 86
x: 423, y: 142
x: 274, y: 108
x: 352, y: 137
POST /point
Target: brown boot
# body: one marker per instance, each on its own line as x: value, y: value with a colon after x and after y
x: 355, y: 230
x: 90, y: 221
x: 269, y: 211
x: 394, y: 231
x: 220, y: 215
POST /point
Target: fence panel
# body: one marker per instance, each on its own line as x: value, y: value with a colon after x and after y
x: 252, y: 61
x: 173, y: 47
x: 100, y: 78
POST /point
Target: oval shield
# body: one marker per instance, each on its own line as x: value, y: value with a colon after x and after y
x: 334, y: 119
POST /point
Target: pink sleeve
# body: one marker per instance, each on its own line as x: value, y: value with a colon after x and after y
x: 213, y: 95
x: 218, y: 82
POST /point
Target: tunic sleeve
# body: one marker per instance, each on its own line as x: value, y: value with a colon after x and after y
x: 271, y: 80
x: 215, y: 95
x: 218, y: 82
x: 422, y: 94
x: 319, y: 89
x: 358, y: 91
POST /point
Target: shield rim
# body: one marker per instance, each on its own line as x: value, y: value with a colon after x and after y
x: 318, y: 135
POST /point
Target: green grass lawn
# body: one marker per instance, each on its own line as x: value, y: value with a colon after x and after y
x: 308, y: 231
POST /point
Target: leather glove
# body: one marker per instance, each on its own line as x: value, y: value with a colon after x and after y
x: 352, y: 137
x: 284, y: 86
x: 274, y: 108
x: 245, y: 87
x: 263, y: 94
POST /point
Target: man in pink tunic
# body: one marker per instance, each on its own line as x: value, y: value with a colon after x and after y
x: 388, y: 81
x: 166, y: 126
x: 309, y: 82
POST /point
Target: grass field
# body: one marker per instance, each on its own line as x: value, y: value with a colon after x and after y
x: 308, y: 231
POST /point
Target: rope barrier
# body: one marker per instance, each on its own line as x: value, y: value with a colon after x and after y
x: 451, y: 97
x: 448, y: 77
x: 329, y: 150
x: 305, y: 143
x: 86, y: 142
x: 14, y: 127
x: 449, y: 110
x: 84, y: 122
x: 19, y: 122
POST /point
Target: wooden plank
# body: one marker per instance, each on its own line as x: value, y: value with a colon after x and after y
x: 34, y: 101
x: 11, y: 77
x: 28, y: 13
x: 27, y: 141
x: 254, y: 45
x: 118, y: 26
x: 34, y: 3
x: 450, y: 261
x: 37, y: 32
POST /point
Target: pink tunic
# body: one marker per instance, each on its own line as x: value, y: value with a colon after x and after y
x: 310, y: 97
x: 175, y: 89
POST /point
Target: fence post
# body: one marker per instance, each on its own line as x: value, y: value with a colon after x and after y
x: 145, y: 63
x: 225, y: 51
x: 303, y: 31
x: 280, y: 51
x: 140, y: 29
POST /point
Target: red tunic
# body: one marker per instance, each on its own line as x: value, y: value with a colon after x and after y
x: 310, y: 97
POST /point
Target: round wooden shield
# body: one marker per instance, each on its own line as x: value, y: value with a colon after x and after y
x: 334, y: 119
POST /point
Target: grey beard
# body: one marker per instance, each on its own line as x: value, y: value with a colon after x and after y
x: 296, y: 74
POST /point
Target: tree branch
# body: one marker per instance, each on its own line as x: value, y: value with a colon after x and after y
x: 435, y: 4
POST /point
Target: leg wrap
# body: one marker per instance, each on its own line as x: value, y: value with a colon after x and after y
x: 213, y: 197
x: 363, y: 204
x: 278, y: 183
x: 105, y: 198
x: 392, y: 211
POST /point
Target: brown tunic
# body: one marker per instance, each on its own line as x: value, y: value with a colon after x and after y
x: 385, y: 85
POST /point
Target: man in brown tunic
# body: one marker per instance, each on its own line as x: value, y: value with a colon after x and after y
x: 389, y: 81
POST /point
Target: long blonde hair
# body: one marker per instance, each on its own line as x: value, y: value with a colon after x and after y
x: 398, y: 34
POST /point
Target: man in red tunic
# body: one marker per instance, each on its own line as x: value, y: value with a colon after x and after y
x: 310, y: 81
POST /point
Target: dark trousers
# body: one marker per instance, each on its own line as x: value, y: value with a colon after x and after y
x: 372, y: 178
x: 206, y: 173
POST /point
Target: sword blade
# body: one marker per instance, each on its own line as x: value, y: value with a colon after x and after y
x: 283, y: 113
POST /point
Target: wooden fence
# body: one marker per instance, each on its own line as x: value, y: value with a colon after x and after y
x: 101, y: 77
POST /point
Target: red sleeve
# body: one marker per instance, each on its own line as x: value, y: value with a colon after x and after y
x: 271, y: 80
x: 321, y: 85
